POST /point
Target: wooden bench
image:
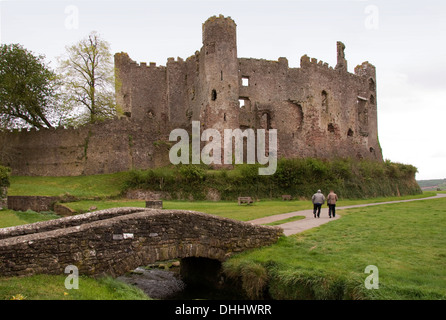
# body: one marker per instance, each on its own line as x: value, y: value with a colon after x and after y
x: 247, y: 200
x: 286, y: 197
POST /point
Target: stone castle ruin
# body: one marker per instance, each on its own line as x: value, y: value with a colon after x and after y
x: 318, y: 111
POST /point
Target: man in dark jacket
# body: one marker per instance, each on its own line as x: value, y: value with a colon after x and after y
x: 318, y: 200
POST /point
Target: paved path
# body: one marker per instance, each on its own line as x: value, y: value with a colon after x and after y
x: 309, y: 222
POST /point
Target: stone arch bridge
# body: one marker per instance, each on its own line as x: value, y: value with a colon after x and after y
x: 115, y: 241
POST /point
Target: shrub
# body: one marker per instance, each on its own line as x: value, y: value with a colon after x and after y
x: 4, y: 184
x: 4, y: 176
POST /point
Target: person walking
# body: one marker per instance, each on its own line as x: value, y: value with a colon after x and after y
x: 318, y: 200
x: 331, y: 201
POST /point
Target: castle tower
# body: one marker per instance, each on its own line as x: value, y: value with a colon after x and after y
x: 368, y: 72
x: 341, y: 61
x: 219, y: 76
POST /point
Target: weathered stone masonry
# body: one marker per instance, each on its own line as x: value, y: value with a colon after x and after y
x: 118, y: 240
x: 318, y: 111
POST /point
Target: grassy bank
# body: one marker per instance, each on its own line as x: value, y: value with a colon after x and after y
x: 47, y: 287
x: 95, y: 186
x: 10, y: 218
x: 298, y: 177
x: 406, y: 241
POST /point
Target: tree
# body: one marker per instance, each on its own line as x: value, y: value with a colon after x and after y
x: 88, y: 81
x: 27, y: 88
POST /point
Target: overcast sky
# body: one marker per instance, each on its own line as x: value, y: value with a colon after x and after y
x: 405, y: 40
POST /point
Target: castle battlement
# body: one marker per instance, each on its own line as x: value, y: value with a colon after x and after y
x: 307, y: 62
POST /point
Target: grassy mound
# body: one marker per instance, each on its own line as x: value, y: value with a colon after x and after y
x: 298, y: 177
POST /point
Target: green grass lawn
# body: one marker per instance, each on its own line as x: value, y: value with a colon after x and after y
x: 229, y: 209
x: 104, y: 185
x: 10, y: 218
x: 46, y: 287
x: 406, y: 241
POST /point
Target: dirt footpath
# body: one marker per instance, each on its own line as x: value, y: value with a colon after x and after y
x: 309, y: 222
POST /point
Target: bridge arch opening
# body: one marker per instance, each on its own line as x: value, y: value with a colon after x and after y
x: 201, y: 273
x: 185, y: 279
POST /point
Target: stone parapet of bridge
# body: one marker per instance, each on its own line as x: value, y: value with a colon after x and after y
x: 115, y: 241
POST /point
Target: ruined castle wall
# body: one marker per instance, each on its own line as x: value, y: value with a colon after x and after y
x: 177, y: 91
x: 337, y: 99
x: 316, y: 109
x: 108, y: 147
x: 266, y: 79
x: 267, y: 104
x: 143, y: 89
x: 45, y: 152
x: 193, y: 85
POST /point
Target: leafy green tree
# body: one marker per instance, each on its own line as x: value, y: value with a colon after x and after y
x: 27, y: 89
x: 88, y: 81
x: 4, y: 176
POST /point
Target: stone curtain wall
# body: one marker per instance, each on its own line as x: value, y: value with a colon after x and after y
x: 35, y: 203
x: 108, y: 147
x: 120, y: 243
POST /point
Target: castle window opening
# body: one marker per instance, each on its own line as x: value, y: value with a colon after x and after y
x: 221, y: 75
x: 210, y: 48
x: 214, y: 95
x: 350, y: 132
x: 372, y: 99
x: 244, y: 102
x: 363, y: 116
x: 372, y: 85
x: 324, y: 99
x: 265, y: 122
x: 245, y: 81
x: 331, y: 127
